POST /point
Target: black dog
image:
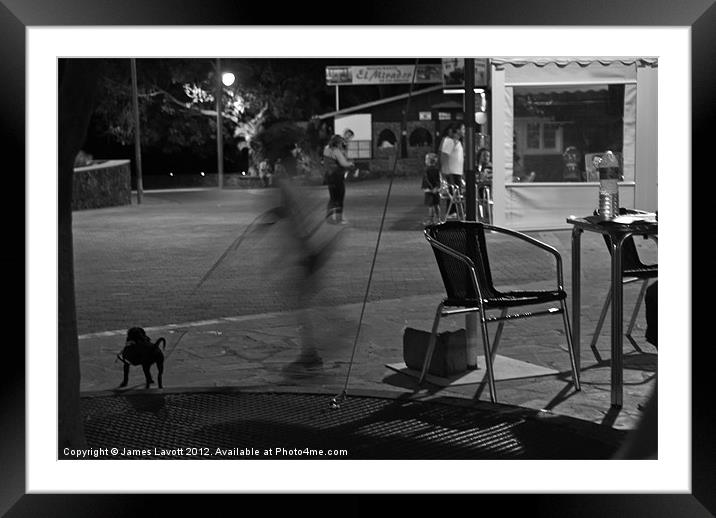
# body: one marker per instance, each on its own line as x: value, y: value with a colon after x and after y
x: 140, y: 350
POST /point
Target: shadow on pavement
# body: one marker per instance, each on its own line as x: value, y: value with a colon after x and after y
x: 225, y: 422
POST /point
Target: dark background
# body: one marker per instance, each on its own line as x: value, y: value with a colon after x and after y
x: 159, y: 159
x: 16, y: 15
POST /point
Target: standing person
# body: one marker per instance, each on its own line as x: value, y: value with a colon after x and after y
x: 431, y: 188
x: 452, y: 158
x: 484, y: 163
x: 452, y: 155
x: 483, y: 180
x: 336, y: 164
x: 444, y: 144
x: 444, y: 169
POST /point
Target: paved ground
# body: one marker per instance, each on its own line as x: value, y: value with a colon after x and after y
x: 183, y: 265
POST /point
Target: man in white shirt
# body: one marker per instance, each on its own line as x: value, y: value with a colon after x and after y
x: 452, y: 157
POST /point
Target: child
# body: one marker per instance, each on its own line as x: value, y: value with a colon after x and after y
x: 431, y: 188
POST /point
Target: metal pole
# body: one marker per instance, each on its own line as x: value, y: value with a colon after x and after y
x: 470, y: 210
x: 137, y: 139
x: 488, y: 108
x: 337, y: 100
x: 219, y: 127
x: 470, y: 195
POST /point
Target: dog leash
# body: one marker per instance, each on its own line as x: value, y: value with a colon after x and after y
x: 337, y: 400
x: 232, y: 247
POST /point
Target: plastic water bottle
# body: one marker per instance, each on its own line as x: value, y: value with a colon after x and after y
x: 608, y: 168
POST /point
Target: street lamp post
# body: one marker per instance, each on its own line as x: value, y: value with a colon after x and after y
x: 137, y: 138
x: 225, y: 79
x: 219, y: 126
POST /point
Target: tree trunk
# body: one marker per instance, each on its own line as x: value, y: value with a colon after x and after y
x: 76, y: 92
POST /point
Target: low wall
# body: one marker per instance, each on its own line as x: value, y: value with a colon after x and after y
x: 404, y: 167
x: 369, y: 169
x: 102, y: 184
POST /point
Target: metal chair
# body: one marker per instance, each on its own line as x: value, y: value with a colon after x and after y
x: 455, y: 199
x: 461, y: 254
x: 633, y: 270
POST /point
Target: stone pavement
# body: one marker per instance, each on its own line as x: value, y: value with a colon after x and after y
x: 184, y: 266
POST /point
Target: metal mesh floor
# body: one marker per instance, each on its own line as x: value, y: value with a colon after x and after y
x: 231, y: 424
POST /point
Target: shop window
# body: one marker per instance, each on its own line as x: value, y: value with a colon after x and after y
x: 420, y: 137
x: 557, y: 128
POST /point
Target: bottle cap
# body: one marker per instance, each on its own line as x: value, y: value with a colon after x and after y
x: 608, y: 166
x: 609, y: 160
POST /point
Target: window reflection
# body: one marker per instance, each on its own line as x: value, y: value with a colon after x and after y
x: 558, y: 130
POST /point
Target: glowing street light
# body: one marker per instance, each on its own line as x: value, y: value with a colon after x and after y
x: 228, y: 78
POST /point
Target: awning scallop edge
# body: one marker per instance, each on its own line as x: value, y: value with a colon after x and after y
x: 500, y: 63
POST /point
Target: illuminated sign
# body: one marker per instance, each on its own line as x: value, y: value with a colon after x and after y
x: 383, y: 74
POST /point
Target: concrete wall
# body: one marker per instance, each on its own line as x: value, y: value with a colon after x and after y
x: 405, y: 166
x: 104, y: 184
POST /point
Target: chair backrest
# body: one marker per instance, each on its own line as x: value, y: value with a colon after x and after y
x: 468, y: 238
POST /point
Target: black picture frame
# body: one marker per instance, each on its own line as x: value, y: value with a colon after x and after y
x: 17, y: 15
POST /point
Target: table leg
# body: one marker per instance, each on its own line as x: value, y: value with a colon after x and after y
x: 617, y: 324
x: 576, y: 295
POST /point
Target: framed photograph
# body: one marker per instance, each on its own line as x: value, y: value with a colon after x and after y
x: 38, y: 34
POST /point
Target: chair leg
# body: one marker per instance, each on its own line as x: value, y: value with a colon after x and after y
x: 449, y: 206
x: 489, y: 204
x: 431, y: 344
x: 639, y: 299
x: 488, y: 359
x: 598, y: 330
x: 570, y: 346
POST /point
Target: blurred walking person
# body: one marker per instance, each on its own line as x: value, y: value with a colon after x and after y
x: 309, y: 244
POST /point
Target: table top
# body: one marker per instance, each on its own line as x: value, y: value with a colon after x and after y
x: 636, y: 222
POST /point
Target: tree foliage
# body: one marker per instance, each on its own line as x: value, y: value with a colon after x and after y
x: 177, y: 99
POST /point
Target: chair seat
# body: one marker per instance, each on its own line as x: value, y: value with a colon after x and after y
x: 511, y: 299
x: 646, y: 271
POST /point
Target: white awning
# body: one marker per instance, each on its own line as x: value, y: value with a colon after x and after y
x: 563, y: 61
x: 547, y: 71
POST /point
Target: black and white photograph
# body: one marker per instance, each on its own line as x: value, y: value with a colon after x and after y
x: 298, y: 249
x: 259, y: 255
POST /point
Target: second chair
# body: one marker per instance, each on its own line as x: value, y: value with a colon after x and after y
x: 633, y: 270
